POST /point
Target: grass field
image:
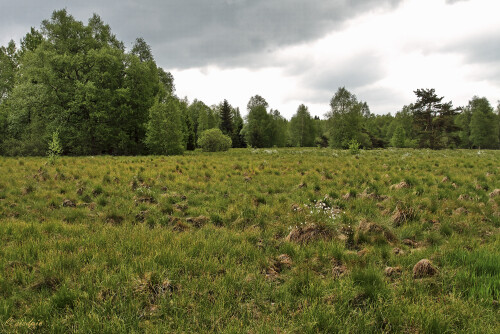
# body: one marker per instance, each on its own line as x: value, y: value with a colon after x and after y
x: 252, y: 241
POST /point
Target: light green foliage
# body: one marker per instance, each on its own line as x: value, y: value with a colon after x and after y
x: 399, y: 137
x: 484, y: 127
x: 354, y: 146
x: 346, y: 119
x: 213, y: 140
x: 55, y: 147
x: 164, y: 130
x: 8, y: 68
x: 302, y: 129
x: 259, y: 122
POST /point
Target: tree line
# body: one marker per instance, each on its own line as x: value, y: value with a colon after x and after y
x: 76, y: 83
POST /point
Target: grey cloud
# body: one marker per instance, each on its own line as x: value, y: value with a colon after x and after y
x: 480, y: 50
x: 485, y: 49
x: 197, y: 33
x: 359, y: 71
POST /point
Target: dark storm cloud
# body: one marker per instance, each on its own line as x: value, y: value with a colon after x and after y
x: 188, y: 33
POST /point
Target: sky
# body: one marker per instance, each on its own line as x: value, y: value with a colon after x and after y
x: 294, y: 52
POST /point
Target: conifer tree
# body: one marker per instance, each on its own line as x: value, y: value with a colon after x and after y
x: 226, y: 116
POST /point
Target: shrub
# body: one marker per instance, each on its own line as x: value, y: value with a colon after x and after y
x: 354, y: 147
x: 213, y: 140
x: 55, y: 147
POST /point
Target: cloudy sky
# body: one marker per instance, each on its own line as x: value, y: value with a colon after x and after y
x: 300, y: 51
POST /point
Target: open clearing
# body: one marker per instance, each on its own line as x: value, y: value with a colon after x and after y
x: 257, y: 241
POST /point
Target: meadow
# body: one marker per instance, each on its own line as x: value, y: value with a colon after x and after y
x: 252, y: 241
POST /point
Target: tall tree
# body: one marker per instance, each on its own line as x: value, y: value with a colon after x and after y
x: 302, y: 130
x: 164, y: 134
x: 78, y: 80
x: 226, y: 116
x: 8, y: 68
x: 278, y: 129
x: 483, y: 124
x: 346, y: 119
x: 258, y: 123
x: 237, y: 137
x: 432, y: 118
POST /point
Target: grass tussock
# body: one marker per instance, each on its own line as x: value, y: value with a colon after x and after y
x: 261, y: 241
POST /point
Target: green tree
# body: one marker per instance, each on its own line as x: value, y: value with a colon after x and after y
x: 302, y: 129
x: 399, y: 137
x: 483, y: 124
x: 433, y: 120
x: 164, y: 135
x: 226, y: 116
x: 277, y: 129
x: 257, y: 132
x: 346, y: 120
x: 8, y: 68
x: 463, y: 122
x: 237, y: 137
x: 77, y: 78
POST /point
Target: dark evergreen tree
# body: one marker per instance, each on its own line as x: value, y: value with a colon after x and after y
x: 432, y: 119
x: 237, y: 137
x: 226, y: 116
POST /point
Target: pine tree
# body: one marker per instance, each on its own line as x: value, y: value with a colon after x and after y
x: 226, y: 116
x: 433, y: 119
x: 237, y: 137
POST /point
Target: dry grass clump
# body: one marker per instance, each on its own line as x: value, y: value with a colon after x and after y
x: 375, y: 230
x: 402, y: 215
x: 338, y: 269
x: 400, y: 185
x: 495, y: 193
x: 277, y: 265
x: 392, y: 271
x: 197, y: 221
x: 424, y: 268
x: 310, y: 232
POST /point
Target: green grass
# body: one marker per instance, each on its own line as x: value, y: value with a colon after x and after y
x: 191, y: 244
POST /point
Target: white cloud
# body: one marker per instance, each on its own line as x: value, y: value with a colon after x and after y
x: 382, y: 56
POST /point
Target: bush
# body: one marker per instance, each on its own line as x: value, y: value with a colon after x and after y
x: 213, y: 140
x: 354, y: 147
